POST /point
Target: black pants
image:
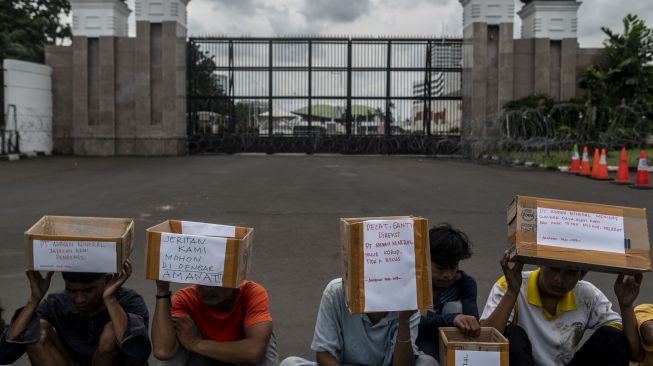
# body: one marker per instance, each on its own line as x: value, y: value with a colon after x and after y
x: 606, y: 347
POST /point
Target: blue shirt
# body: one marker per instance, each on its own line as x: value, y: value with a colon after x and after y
x: 463, y: 290
x: 80, y: 334
x: 352, y: 338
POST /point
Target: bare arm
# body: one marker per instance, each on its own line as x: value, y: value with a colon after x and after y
x: 164, y: 338
x: 116, y: 312
x: 501, y: 314
x: 326, y: 359
x: 249, y: 350
x: 403, y: 353
x: 39, y: 286
x: 627, y: 289
x: 646, y: 330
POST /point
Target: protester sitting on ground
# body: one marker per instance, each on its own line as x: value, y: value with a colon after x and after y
x: 544, y: 314
x: 210, y: 325
x: 95, y: 321
x: 342, y: 338
x: 454, y: 291
x: 644, y: 315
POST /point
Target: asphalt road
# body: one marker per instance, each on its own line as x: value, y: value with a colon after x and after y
x: 294, y: 203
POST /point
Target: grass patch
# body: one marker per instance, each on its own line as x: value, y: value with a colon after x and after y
x: 563, y: 158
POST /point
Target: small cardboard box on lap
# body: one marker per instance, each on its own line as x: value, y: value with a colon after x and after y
x: 385, y: 263
x: 489, y: 349
x: 586, y: 236
x: 198, y: 253
x: 79, y: 244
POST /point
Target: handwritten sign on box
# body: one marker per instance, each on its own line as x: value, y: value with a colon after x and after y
x: 389, y: 265
x: 477, y: 358
x: 74, y: 256
x: 580, y: 230
x: 192, y: 259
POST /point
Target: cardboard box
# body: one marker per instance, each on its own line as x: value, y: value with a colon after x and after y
x: 79, y: 244
x: 587, y: 236
x: 489, y: 349
x: 382, y: 274
x: 198, y: 253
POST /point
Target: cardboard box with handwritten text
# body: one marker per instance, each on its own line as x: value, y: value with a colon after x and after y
x: 489, y: 349
x: 586, y: 236
x: 198, y: 253
x: 79, y: 244
x: 385, y: 263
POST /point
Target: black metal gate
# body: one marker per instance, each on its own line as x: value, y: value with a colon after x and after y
x: 322, y: 94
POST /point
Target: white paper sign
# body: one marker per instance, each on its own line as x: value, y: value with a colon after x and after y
x: 477, y: 358
x: 200, y: 228
x: 580, y: 230
x: 389, y: 260
x: 75, y: 256
x: 192, y: 259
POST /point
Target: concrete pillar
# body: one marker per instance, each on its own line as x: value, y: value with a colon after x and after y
x: 60, y: 59
x: 488, y: 11
x: 80, y: 92
x: 568, y: 76
x: 488, y: 63
x: 542, y: 61
x: 107, y: 93
x: 506, y: 65
x: 99, y: 18
x: 159, y: 11
x: 142, y: 80
x: 550, y: 19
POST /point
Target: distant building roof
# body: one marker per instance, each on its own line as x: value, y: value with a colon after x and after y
x: 327, y: 112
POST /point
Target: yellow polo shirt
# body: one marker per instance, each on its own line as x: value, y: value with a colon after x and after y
x: 555, y: 337
x: 644, y: 313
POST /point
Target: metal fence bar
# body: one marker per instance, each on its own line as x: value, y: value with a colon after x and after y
x: 270, y: 91
x: 243, y: 90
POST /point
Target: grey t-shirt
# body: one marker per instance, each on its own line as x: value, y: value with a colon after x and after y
x: 353, y: 339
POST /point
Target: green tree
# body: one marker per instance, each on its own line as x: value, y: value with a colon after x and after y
x: 27, y: 26
x: 626, y: 77
x: 207, y: 93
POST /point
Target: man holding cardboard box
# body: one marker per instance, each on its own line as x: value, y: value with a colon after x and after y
x: 377, y: 338
x: 544, y: 314
x: 222, y: 318
x: 95, y: 321
x: 369, y: 316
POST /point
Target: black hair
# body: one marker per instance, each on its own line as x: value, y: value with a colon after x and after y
x: 82, y: 277
x: 448, y: 245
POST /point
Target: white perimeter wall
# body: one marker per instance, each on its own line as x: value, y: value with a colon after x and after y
x: 28, y: 86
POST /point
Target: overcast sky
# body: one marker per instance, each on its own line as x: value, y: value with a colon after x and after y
x: 376, y: 17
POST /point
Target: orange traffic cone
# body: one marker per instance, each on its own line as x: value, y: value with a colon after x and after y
x: 595, y: 164
x: 623, y: 176
x: 585, y: 163
x: 602, y: 173
x: 575, y: 161
x: 641, y: 180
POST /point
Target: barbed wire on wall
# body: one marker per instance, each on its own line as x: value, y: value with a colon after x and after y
x: 564, y: 125
x: 400, y: 144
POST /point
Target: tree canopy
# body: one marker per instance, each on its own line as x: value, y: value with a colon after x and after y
x: 27, y: 26
x: 626, y: 76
